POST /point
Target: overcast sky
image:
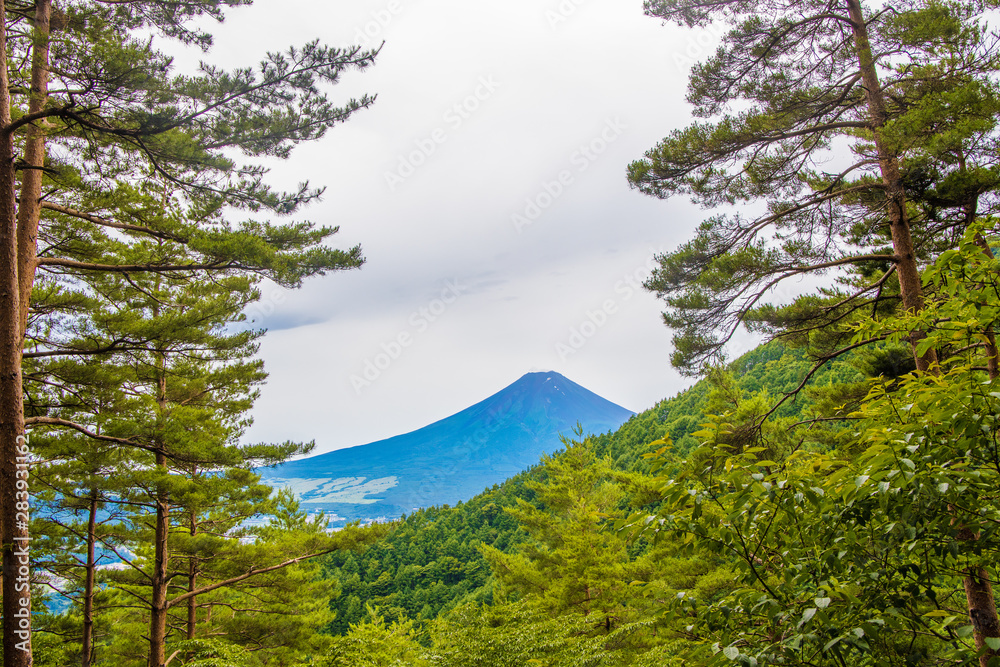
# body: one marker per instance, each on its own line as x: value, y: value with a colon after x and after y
x: 487, y: 188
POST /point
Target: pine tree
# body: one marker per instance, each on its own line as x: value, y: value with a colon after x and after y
x: 909, y: 90
x: 570, y: 565
x: 868, y: 135
x: 79, y: 77
x: 186, y: 504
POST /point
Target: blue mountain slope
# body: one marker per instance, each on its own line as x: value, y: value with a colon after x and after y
x: 452, y: 459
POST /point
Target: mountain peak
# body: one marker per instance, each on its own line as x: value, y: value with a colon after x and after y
x: 539, y: 376
x: 452, y: 459
x: 540, y: 386
x: 535, y: 375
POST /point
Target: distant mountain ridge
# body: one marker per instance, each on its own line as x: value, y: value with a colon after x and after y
x: 452, y: 459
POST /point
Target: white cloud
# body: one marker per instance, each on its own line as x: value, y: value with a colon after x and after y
x: 557, y: 88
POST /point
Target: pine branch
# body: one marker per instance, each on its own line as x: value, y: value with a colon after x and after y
x: 104, y: 222
x: 246, y: 575
x: 137, y: 268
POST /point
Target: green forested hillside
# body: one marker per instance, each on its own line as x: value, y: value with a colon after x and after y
x: 774, y: 368
x: 429, y: 561
x: 432, y: 561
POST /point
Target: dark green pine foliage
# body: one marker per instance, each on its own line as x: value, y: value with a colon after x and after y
x: 774, y: 368
x: 100, y: 121
x: 568, y: 564
x: 430, y: 562
x: 125, y: 112
x: 77, y: 521
x: 148, y: 439
x: 150, y: 170
x: 833, y: 139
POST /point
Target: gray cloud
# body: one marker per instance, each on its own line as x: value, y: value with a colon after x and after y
x: 486, y: 115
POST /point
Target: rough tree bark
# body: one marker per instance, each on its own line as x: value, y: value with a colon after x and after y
x: 29, y: 207
x: 14, y: 535
x: 910, y: 286
x: 18, y: 233
x: 160, y: 578
x: 982, y: 607
x: 87, y: 644
x: 192, y: 603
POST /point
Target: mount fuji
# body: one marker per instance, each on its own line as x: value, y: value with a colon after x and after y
x: 452, y: 459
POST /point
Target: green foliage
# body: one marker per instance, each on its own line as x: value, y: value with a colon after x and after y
x: 433, y: 562
x: 845, y: 557
x: 568, y: 564
x: 214, y: 653
x: 839, y: 529
x: 963, y: 306
x: 138, y: 366
x: 143, y: 467
x: 375, y: 643
x: 429, y: 562
x: 839, y: 525
x: 513, y: 634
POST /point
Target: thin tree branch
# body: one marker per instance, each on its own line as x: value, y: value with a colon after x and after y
x: 246, y: 575
x: 104, y: 222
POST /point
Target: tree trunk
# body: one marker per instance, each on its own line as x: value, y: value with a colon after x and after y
x: 979, y: 592
x: 976, y: 579
x: 192, y: 604
x: 29, y: 208
x: 87, y: 647
x: 990, y: 346
x: 910, y: 288
x: 160, y: 581
x: 161, y: 553
x: 982, y: 610
x: 14, y: 538
x: 992, y: 354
